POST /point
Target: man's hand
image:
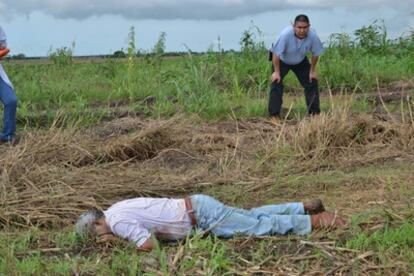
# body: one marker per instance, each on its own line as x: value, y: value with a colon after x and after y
x: 106, y: 238
x: 275, y: 77
x: 276, y: 69
x: 4, y: 52
x: 148, y: 245
x: 313, y: 76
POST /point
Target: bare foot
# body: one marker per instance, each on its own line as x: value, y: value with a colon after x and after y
x: 327, y: 220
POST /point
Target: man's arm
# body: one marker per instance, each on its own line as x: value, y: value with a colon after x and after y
x: 276, y: 67
x: 312, y: 74
x: 134, y: 232
x: 316, y: 50
x: 4, y: 52
x: 107, y: 238
x: 148, y: 245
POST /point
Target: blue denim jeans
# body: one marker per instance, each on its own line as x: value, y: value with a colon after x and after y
x: 9, y: 100
x: 224, y: 221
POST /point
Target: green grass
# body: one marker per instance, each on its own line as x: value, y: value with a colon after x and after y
x: 63, y: 256
x: 215, y: 85
x: 219, y: 86
x: 391, y: 244
x: 207, y: 256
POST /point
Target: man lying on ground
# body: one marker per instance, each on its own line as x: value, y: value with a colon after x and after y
x: 139, y: 219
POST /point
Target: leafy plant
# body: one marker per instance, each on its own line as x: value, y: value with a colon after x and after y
x: 62, y: 56
x: 373, y: 38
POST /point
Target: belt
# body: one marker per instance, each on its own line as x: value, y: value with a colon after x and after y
x: 190, y: 210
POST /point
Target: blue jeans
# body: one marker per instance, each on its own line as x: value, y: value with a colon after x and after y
x: 9, y: 100
x: 224, y: 221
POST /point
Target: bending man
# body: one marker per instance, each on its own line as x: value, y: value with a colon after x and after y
x: 138, y: 219
x: 289, y: 53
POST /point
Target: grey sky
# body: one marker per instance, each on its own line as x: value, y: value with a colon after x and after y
x: 101, y: 26
x: 185, y: 9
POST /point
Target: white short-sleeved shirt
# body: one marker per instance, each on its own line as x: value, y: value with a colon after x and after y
x: 292, y: 50
x: 135, y: 219
x: 3, y: 44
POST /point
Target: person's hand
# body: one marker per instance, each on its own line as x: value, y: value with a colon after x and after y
x: 275, y: 77
x: 106, y: 238
x: 313, y: 76
x: 4, y: 52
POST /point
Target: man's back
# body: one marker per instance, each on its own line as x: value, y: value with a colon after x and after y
x: 135, y: 219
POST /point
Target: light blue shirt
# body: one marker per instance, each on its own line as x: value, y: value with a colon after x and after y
x: 292, y: 50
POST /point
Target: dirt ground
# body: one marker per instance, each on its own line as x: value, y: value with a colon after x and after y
x: 358, y: 164
x: 53, y: 175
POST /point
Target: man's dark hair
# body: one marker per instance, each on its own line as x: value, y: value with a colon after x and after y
x: 302, y: 18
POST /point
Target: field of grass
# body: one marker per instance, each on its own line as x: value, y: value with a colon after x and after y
x: 95, y: 132
x: 215, y: 85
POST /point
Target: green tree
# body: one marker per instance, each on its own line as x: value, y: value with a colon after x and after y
x: 119, y: 54
x: 19, y: 56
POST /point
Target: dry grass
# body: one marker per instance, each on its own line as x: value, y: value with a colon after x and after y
x: 52, y: 176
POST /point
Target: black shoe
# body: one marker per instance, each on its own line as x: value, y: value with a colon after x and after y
x: 12, y: 142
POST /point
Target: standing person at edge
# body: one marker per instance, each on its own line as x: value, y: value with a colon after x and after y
x: 289, y: 53
x: 7, y: 97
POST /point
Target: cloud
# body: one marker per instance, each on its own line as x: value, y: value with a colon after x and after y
x: 185, y: 9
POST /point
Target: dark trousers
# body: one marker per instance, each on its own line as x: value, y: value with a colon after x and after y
x: 301, y: 71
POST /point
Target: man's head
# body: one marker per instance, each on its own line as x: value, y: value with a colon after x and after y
x: 301, y: 26
x: 91, y: 222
